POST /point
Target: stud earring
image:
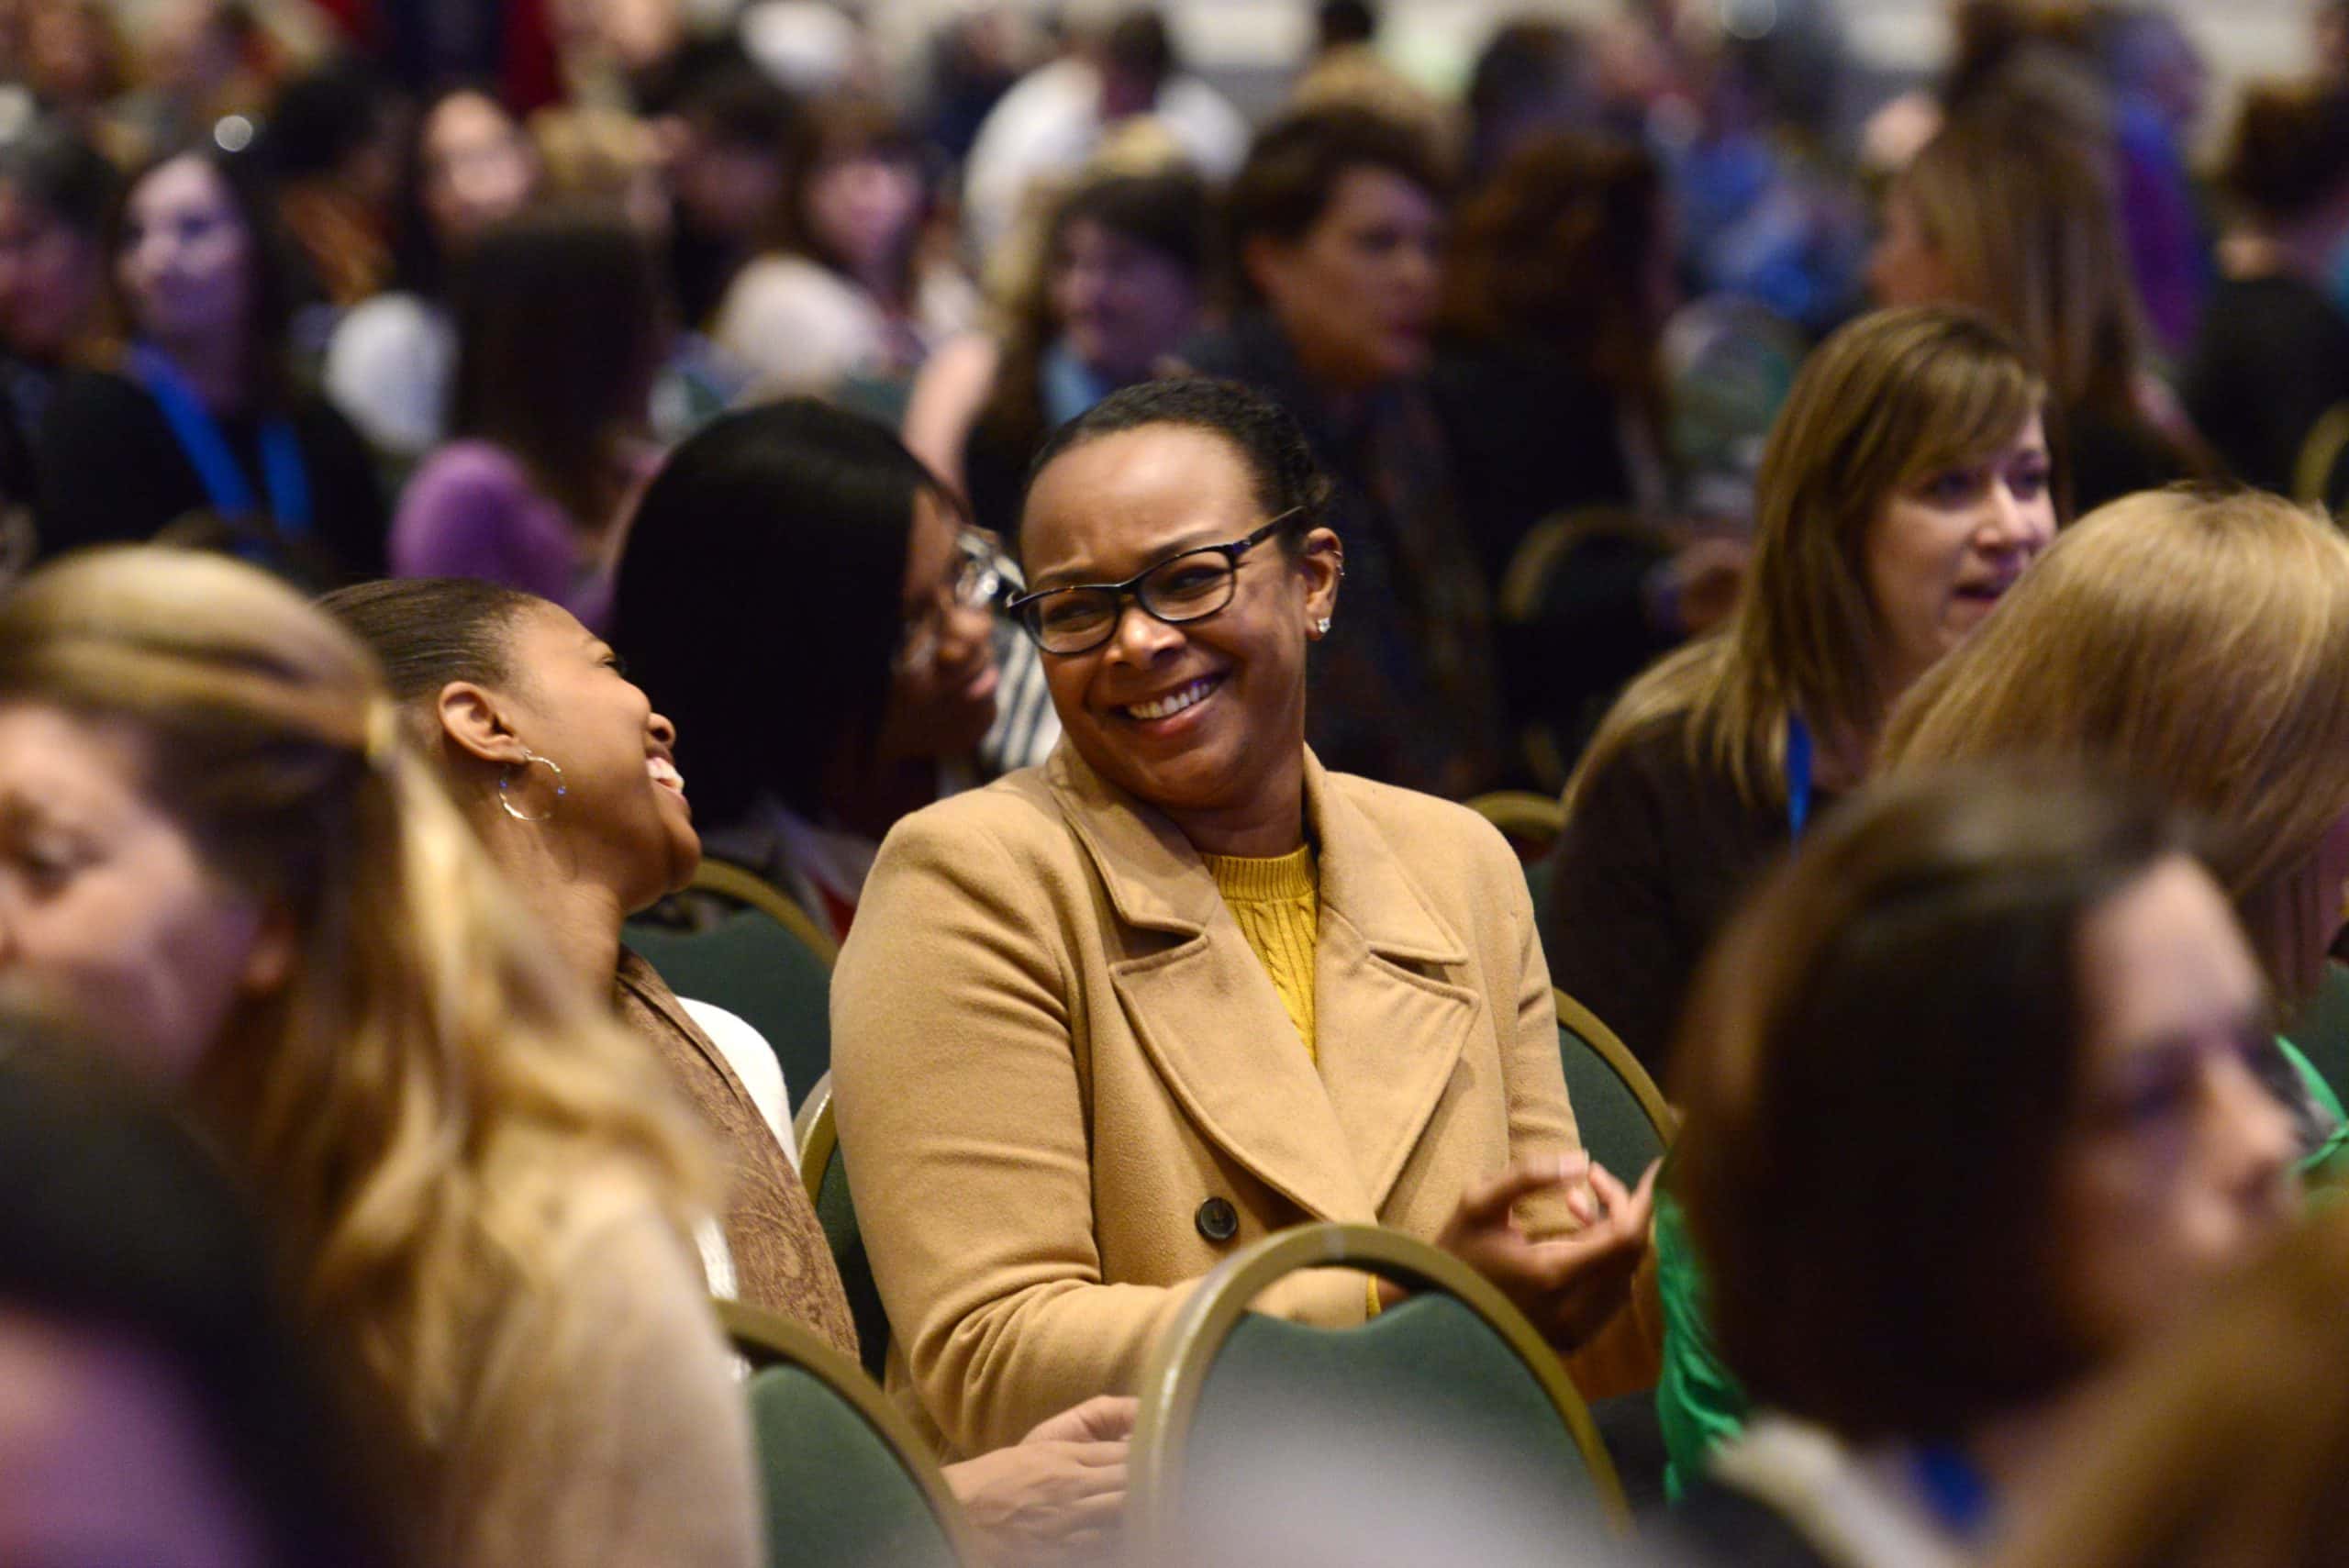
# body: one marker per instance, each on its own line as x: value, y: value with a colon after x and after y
x: 505, y: 785
x: 1322, y: 627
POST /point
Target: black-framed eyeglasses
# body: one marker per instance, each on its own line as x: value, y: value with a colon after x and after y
x: 1188, y: 586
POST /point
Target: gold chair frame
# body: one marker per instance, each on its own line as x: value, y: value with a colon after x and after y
x: 1177, y: 1371
x: 746, y: 886
x: 1621, y: 1062
x: 766, y: 1338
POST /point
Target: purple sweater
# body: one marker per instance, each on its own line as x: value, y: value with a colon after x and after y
x: 471, y: 511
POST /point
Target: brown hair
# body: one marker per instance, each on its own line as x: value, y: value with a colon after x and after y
x: 1880, y: 1065
x: 404, y: 1106
x: 562, y: 396
x: 1889, y: 399
x: 831, y: 129
x: 2198, y: 643
x: 1555, y: 254
x: 2027, y: 225
x: 1293, y: 172
x: 2227, y: 1442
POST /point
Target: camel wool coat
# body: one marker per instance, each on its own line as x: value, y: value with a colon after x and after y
x: 1066, y: 1088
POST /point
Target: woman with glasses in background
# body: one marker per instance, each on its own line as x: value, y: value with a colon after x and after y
x: 1107, y: 1021
x: 820, y: 624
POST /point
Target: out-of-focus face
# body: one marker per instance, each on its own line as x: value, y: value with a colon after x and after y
x: 1907, y: 267
x: 185, y: 263
x: 861, y: 206
x: 623, y: 811
x: 2182, y: 1163
x: 1356, y: 294
x: 727, y: 189
x: 68, y: 53
x: 943, y: 685
x: 1945, y: 550
x: 108, y: 915
x: 50, y: 274
x: 1122, y: 305
x: 1205, y: 720
x: 478, y: 167
x: 105, y: 1458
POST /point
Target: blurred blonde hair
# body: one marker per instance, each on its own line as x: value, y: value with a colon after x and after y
x: 392, y: 1103
x: 2199, y: 644
x: 1885, y: 402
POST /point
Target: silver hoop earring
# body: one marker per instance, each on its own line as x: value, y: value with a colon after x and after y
x: 505, y: 785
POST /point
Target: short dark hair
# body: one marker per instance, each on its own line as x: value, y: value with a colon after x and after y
x: 1280, y: 461
x: 1339, y: 22
x: 429, y: 631
x: 324, y: 115
x: 54, y: 168
x: 1293, y: 171
x: 1902, y: 999
x: 760, y: 596
x: 118, y: 1222
x: 2290, y: 152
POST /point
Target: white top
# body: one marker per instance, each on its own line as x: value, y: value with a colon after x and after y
x: 389, y: 367
x: 754, y: 1062
x: 798, y: 327
x: 1050, y: 123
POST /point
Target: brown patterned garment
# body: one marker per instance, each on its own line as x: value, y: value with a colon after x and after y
x: 780, y: 1262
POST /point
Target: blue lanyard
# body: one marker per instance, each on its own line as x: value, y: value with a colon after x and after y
x: 1797, y: 774
x: 1954, y: 1489
x: 199, y: 435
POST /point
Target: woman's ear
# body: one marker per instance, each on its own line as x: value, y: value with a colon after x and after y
x: 473, y: 724
x: 1323, y: 558
x: 1266, y: 261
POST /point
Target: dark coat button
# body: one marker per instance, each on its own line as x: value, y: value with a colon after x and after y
x: 1218, y: 1221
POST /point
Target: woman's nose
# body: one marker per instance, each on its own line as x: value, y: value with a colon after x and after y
x: 2253, y: 1134
x: 663, y: 732
x: 1141, y: 637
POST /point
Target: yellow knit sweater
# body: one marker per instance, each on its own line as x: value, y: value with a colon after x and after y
x: 1277, y: 903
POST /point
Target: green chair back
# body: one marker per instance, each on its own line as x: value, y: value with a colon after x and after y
x: 753, y: 968
x: 1623, y: 1119
x: 1435, y: 1398
x: 843, y: 1478
x: 824, y: 1173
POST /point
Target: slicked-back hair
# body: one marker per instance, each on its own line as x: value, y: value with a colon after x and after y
x: 1280, y: 463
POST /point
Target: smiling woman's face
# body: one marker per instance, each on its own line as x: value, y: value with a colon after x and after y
x: 1231, y: 751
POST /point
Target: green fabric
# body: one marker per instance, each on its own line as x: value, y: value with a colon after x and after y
x: 1425, y: 1394
x: 835, y: 1492
x: 749, y: 965
x: 2327, y: 1166
x: 836, y: 1211
x: 1700, y: 1404
x: 1613, y: 1125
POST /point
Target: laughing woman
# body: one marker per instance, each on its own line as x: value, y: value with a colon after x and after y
x: 1107, y: 1021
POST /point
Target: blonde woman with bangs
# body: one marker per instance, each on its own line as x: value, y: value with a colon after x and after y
x: 2022, y: 225
x: 219, y: 857
x: 1906, y: 485
x: 2199, y: 645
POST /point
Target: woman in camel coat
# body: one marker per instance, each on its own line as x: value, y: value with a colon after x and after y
x: 1101, y: 1025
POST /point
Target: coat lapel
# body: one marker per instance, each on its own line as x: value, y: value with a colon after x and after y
x: 1202, y: 1008
x: 1390, y: 1029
